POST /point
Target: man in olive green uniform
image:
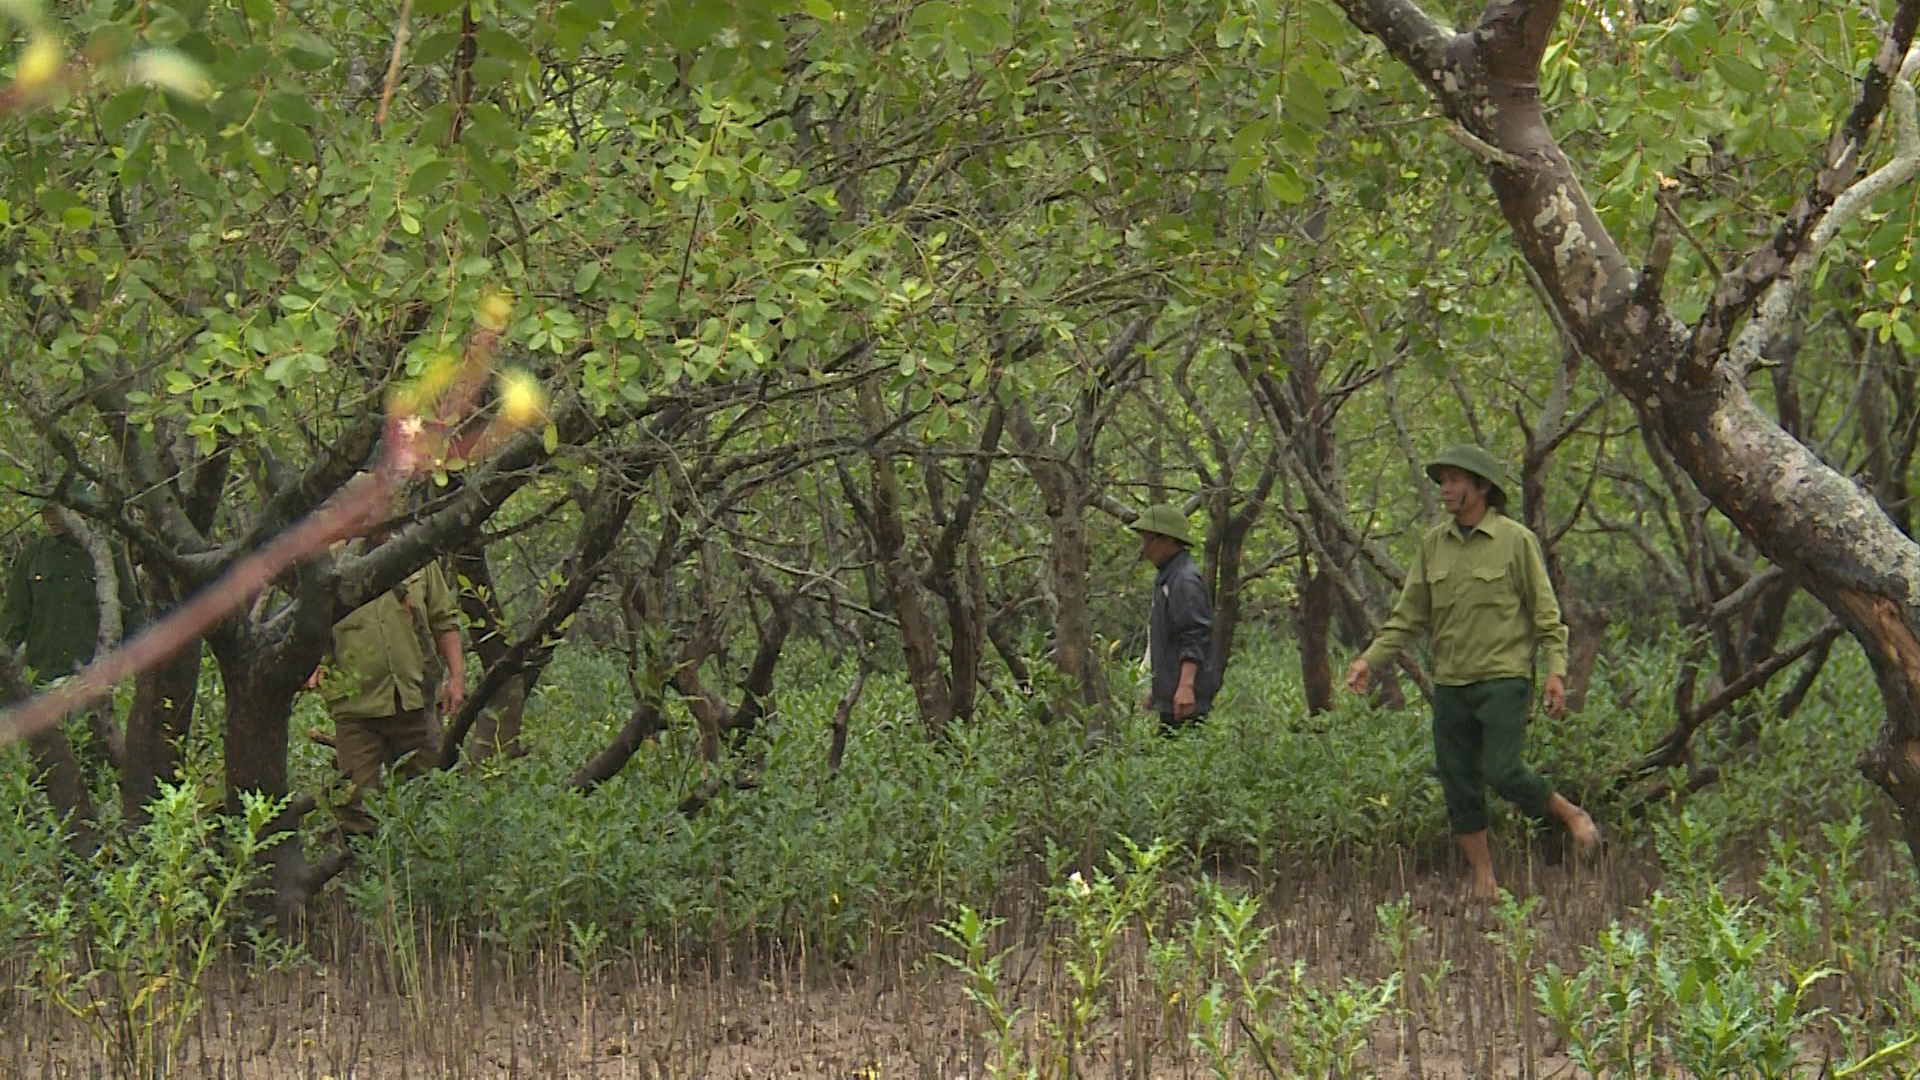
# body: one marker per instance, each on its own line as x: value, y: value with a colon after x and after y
x: 1479, y: 587
x: 374, y: 680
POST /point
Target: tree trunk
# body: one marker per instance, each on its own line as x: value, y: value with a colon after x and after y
x: 1230, y: 549
x: 1313, y: 625
x: 157, y: 725
x: 954, y: 572
x: 497, y: 731
x: 1063, y: 496
x: 1800, y: 513
x: 259, y: 702
x: 888, y: 529
x: 646, y: 721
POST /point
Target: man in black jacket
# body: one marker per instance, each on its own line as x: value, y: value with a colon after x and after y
x: 1180, y: 630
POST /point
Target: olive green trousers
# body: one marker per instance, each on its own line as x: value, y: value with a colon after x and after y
x: 1479, y: 734
x: 366, y: 748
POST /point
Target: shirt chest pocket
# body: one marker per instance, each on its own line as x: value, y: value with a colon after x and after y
x: 1480, y: 588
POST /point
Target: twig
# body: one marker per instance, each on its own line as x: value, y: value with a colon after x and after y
x: 393, y: 62
x: 1481, y: 148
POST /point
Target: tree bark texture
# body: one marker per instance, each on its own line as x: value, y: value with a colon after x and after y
x: 1063, y: 494
x: 497, y: 732
x: 887, y: 527
x: 158, y: 724
x: 1312, y: 631
x: 259, y: 689
x: 1800, y: 513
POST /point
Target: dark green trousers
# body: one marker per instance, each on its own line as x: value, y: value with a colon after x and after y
x: 1479, y: 733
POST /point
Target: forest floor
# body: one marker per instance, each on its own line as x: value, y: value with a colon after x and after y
x: 357, y: 1008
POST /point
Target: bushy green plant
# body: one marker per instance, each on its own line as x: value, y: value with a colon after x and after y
x: 982, y: 968
x: 1097, y: 910
x: 1289, y: 1022
x: 126, y: 950
x: 1709, y: 989
x: 33, y: 852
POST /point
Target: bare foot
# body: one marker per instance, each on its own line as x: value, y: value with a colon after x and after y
x: 1586, y: 835
x: 1486, y: 891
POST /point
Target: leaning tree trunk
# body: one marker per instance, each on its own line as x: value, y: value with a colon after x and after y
x: 1229, y: 545
x: 1800, y: 513
x: 497, y: 731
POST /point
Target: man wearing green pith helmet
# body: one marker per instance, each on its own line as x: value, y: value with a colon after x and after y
x: 1180, y: 626
x: 1479, y: 588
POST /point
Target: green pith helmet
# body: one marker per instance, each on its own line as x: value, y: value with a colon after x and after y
x: 1478, y: 462
x: 72, y: 492
x: 1166, y: 520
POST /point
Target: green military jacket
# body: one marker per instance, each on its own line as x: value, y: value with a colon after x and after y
x: 1486, y: 601
x: 378, y: 652
x: 51, y: 608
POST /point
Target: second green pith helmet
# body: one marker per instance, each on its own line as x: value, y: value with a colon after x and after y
x: 1477, y: 461
x: 1165, y: 519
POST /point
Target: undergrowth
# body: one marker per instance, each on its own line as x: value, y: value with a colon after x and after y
x: 1736, y: 958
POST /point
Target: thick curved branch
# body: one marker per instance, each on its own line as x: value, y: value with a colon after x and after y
x: 106, y: 577
x: 1415, y: 38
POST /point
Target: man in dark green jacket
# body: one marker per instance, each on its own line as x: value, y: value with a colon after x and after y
x: 51, y: 610
x: 1479, y: 588
x: 51, y: 614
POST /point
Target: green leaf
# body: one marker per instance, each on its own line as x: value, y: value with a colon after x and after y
x: 583, y: 279
x: 1305, y: 103
x: 291, y: 139
x: 435, y: 47
x: 76, y: 217
x: 550, y: 438
x: 305, y: 49
x: 492, y: 128
x: 1740, y: 74
x: 482, y: 167
x: 293, y: 108
x: 931, y: 19
x: 1284, y: 183
x: 499, y: 43
x: 428, y: 177
x: 120, y: 110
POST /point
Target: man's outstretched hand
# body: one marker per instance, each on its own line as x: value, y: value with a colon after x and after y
x: 1359, y: 675
x: 1554, y: 696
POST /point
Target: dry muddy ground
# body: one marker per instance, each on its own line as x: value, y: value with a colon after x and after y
x: 741, y: 1011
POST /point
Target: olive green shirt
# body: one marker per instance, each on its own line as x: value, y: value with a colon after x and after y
x: 379, y: 653
x: 1486, y: 601
x: 51, y: 607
